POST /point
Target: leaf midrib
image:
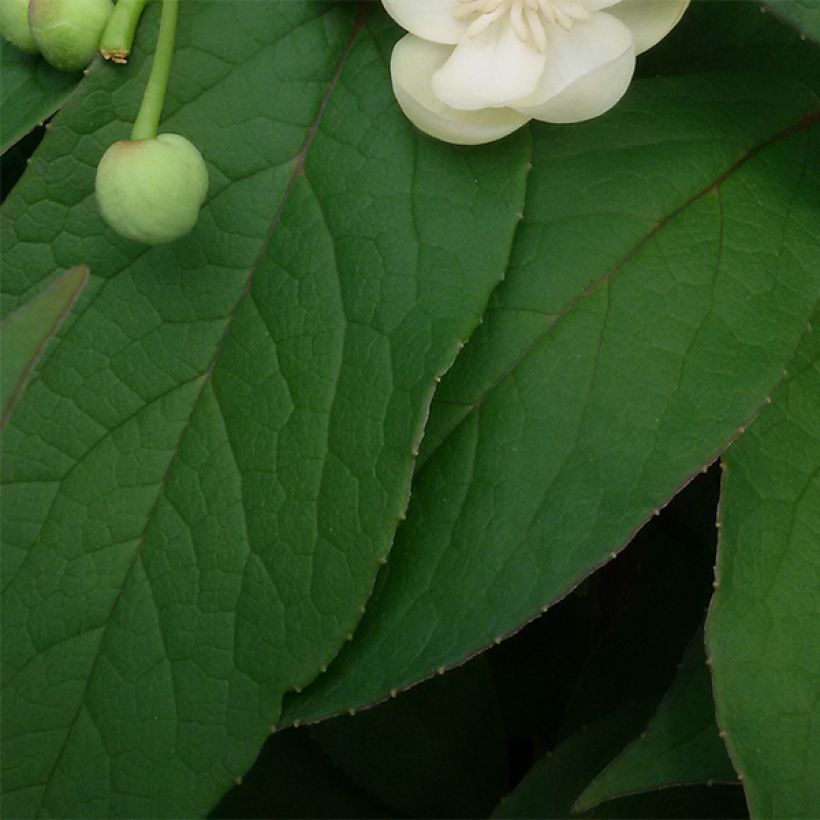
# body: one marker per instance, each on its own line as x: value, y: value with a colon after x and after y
x: 296, y: 172
x: 803, y: 124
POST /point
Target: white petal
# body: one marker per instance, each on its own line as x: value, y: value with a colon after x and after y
x: 591, y: 96
x: 649, y: 20
x: 574, y: 54
x: 597, y: 5
x: 429, y: 19
x: 411, y: 67
x: 489, y: 70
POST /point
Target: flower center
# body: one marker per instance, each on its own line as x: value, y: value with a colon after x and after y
x: 529, y: 18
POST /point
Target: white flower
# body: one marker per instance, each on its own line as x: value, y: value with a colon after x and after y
x: 472, y: 71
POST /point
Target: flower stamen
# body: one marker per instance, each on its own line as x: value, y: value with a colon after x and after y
x: 529, y: 19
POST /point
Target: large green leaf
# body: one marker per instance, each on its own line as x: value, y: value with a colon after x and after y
x: 681, y: 744
x: 804, y: 15
x: 30, y: 91
x: 27, y: 331
x: 660, y: 280
x: 205, y: 475
x: 764, y: 624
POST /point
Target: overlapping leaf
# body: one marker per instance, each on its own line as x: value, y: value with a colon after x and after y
x: 718, y: 35
x: 764, y: 624
x: 31, y: 90
x: 205, y: 474
x: 681, y: 744
x: 804, y: 15
x: 26, y: 332
x: 554, y: 782
x: 662, y: 277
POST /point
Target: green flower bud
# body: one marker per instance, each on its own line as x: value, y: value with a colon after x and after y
x: 14, y: 24
x: 151, y: 190
x: 68, y: 31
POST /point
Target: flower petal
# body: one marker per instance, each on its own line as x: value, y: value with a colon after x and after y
x: 430, y: 19
x: 574, y: 54
x: 412, y: 66
x: 489, y: 70
x: 649, y: 20
x: 590, y: 96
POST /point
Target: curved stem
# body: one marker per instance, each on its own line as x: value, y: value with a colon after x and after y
x: 118, y: 36
x: 153, y: 99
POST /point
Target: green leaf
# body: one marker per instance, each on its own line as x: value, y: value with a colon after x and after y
x: 205, y: 476
x: 717, y: 35
x: 435, y: 751
x: 659, y: 282
x: 764, y: 624
x: 30, y: 92
x: 26, y: 332
x: 681, y: 744
x: 551, y: 787
x: 804, y: 15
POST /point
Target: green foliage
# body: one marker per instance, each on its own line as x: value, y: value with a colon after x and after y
x: 243, y: 408
x: 236, y: 496
x: 27, y: 331
x: 681, y: 744
x: 607, y: 373
x: 30, y: 92
x: 764, y: 624
x: 803, y: 14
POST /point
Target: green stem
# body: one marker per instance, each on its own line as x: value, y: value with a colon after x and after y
x: 118, y: 36
x: 145, y: 128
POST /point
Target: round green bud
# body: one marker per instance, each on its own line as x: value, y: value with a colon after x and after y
x: 151, y: 190
x: 14, y: 24
x: 68, y: 32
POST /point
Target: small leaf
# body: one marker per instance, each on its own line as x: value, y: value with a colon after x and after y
x: 26, y: 332
x: 804, y: 15
x: 30, y: 92
x: 763, y: 629
x: 680, y: 745
x: 553, y: 784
